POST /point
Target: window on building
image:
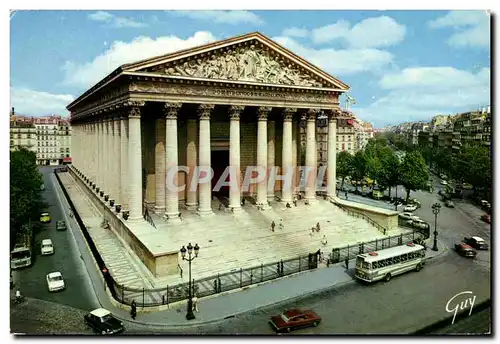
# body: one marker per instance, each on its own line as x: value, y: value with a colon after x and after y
x: 343, y: 146
x: 67, y: 155
x: 11, y: 142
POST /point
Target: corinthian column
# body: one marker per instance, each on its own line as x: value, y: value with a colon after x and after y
x: 117, y: 160
x: 172, y: 160
x: 234, y: 157
x: 311, y: 155
x: 124, y: 166
x: 100, y: 153
x: 106, y: 156
x: 295, y: 153
x: 331, y: 177
x: 287, y: 171
x: 160, y: 166
x: 271, y: 158
x: 191, y: 157
x: 262, y: 114
x: 205, y: 184
x: 135, y: 162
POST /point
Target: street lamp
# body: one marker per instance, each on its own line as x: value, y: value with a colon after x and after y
x: 190, y: 314
x: 436, y: 208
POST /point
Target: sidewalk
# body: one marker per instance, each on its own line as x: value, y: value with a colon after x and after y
x: 230, y: 304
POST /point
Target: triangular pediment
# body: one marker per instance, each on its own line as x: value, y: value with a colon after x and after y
x: 249, y: 58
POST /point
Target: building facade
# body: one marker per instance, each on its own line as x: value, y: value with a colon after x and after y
x: 23, y: 133
x: 236, y: 103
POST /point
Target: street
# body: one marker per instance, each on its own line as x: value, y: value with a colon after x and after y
x: 405, y: 304
x: 32, y: 282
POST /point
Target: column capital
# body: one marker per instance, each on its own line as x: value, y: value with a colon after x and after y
x: 263, y: 112
x: 171, y: 110
x: 288, y: 114
x: 205, y: 110
x: 311, y: 114
x: 133, y: 108
x: 235, y: 112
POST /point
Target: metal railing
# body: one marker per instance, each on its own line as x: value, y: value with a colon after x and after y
x: 360, y: 215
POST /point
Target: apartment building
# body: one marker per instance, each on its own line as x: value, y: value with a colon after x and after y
x: 49, y: 137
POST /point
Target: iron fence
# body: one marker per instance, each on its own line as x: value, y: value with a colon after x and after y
x: 360, y: 215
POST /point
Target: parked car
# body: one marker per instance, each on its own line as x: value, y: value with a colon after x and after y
x: 418, y: 223
x: 444, y: 182
x: 449, y: 204
x: 61, y: 226
x: 55, y: 281
x: 102, y: 321
x: 441, y: 192
x: 410, y: 207
x: 377, y: 194
x: 47, y: 247
x: 44, y: 217
x: 476, y: 242
x: 465, y: 250
x: 408, y: 216
x: 467, y: 186
x: 293, y: 319
x: 486, y: 218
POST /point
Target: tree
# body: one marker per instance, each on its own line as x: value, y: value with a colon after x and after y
x: 413, y: 173
x: 359, y: 166
x: 473, y: 165
x: 25, y: 189
x: 389, y: 175
x: 344, y: 166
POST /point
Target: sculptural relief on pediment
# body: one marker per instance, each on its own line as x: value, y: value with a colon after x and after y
x: 243, y: 64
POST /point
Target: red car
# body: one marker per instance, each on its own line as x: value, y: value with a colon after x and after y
x: 486, y: 218
x: 293, y: 319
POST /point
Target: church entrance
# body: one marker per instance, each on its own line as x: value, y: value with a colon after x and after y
x: 219, y: 162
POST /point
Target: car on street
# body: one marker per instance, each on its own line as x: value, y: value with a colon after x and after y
x: 55, y: 281
x: 102, y: 321
x: 444, y: 182
x: 443, y: 176
x: 477, y: 243
x: 441, y: 192
x: 410, y: 207
x: 408, y: 216
x: 293, y: 319
x: 47, y: 247
x: 449, y: 204
x: 465, y: 250
x: 418, y: 223
x: 61, y: 226
x: 486, y: 218
x: 44, y: 217
x: 467, y: 186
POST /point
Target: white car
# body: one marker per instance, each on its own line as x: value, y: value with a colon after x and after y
x: 444, y: 182
x: 410, y: 207
x: 55, y: 281
x: 47, y: 247
x: 418, y: 223
x: 408, y: 216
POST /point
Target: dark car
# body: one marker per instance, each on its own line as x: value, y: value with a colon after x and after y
x: 486, y: 218
x: 103, y: 322
x: 449, y: 204
x: 61, y: 226
x: 293, y: 319
x: 476, y: 242
x: 465, y: 250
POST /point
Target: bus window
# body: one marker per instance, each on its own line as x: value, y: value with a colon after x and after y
x: 404, y: 257
x: 366, y: 265
x: 375, y: 265
x: 397, y: 259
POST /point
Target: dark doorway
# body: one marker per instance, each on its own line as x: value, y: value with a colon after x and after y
x: 219, y: 162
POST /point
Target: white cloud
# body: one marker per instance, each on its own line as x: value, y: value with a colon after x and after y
x: 223, y: 17
x: 471, y: 28
x: 35, y: 103
x: 295, y: 32
x: 374, y: 32
x: 115, y: 21
x: 87, y: 74
x: 340, y: 62
x: 420, y: 93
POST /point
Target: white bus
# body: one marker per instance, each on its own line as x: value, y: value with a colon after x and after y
x: 384, y: 264
x: 20, y: 256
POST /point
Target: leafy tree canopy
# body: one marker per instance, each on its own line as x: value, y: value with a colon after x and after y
x: 413, y: 173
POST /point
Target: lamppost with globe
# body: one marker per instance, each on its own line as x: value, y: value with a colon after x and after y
x: 436, y: 208
x: 189, y: 250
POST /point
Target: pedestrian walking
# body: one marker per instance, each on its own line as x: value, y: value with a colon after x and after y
x: 313, y: 229
x: 318, y: 227
x: 346, y: 195
x: 347, y: 263
x: 288, y: 205
x: 133, y: 310
x: 195, y: 304
x: 324, y: 242
x: 295, y: 201
x: 272, y: 226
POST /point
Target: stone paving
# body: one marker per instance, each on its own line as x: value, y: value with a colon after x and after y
x: 228, y: 241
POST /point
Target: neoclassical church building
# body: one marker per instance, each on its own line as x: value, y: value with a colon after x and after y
x: 236, y: 102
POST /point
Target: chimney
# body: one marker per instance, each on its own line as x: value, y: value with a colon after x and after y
x: 12, y: 113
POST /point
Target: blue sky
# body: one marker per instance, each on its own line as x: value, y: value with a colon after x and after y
x: 401, y: 65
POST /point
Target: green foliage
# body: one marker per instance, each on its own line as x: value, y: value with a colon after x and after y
x: 359, y: 164
x: 25, y: 189
x: 473, y: 165
x: 344, y: 165
x: 413, y: 173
